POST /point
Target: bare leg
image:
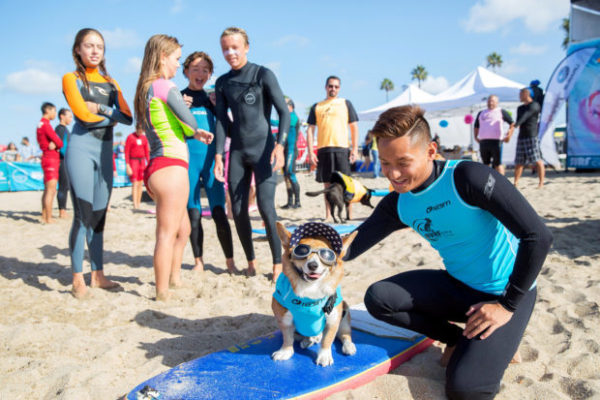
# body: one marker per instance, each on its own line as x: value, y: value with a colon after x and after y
x: 500, y: 169
x: 47, y: 197
x: 171, y: 188
x: 277, y: 268
x: 182, y: 237
x: 518, y: 173
x: 541, y: 170
x: 198, y: 265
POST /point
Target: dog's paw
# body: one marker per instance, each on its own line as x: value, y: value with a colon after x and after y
x: 324, y: 358
x: 309, y: 341
x: 348, y: 348
x: 283, y: 354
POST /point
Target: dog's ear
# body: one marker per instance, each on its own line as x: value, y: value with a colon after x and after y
x: 284, y: 235
x: 346, y: 241
x: 366, y: 199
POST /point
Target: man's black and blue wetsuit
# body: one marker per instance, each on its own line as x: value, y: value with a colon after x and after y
x: 289, y: 169
x: 250, y: 93
x: 63, y: 179
x: 200, y: 172
x: 493, y: 245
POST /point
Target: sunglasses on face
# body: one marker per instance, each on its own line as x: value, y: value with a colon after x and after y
x: 326, y: 255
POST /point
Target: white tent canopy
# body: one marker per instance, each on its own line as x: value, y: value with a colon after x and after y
x: 411, y: 95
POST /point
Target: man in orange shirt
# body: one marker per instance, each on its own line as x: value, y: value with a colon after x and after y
x: 332, y: 117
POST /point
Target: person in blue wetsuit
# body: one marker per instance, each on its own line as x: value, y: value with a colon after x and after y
x: 291, y: 153
x: 249, y: 91
x: 65, y: 117
x: 198, y: 68
x: 492, y: 243
x: 98, y: 105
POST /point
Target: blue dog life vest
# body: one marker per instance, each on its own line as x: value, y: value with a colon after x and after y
x: 309, y: 317
x: 474, y: 245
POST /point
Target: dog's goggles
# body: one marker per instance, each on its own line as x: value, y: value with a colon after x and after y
x: 326, y: 255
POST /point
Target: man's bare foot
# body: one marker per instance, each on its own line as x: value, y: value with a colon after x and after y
x: 540, y: 185
x: 102, y: 282
x: 251, y: 271
x: 63, y: 214
x: 175, y: 284
x: 277, y: 268
x: 231, y: 268
x: 163, y: 296
x: 199, y: 266
x: 446, y: 355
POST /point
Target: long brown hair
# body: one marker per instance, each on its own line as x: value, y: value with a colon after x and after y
x: 79, y: 66
x: 156, y: 47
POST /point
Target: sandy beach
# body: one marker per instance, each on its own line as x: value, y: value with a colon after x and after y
x: 56, y: 347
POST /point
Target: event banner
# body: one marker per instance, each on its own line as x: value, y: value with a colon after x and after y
x: 583, y: 116
x: 19, y: 176
x: 563, y: 79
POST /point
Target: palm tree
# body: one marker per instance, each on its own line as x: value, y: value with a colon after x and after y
x: 494, y: 60
x: 566, y: 27
x: 388, y: 86
x: 419, y: 73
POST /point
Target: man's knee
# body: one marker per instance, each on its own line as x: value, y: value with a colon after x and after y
x: 461, y: 387
x: 375, y: 299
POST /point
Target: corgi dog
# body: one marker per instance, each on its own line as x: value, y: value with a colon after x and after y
x: 307, y: 298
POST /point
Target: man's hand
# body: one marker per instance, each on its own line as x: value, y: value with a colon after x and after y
x: 485, y: 318
x: 203, y: 136
x: 218, y: 169
x: 277, y: 157
x: 353, y: 156
x: 128, y: 170
x: 314, y: 160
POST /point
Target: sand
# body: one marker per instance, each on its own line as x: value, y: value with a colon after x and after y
x: 56, y: 347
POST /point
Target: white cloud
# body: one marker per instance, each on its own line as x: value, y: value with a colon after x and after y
x: 537, y: 15
x: 121, y: 38
x: 33, y: 81
x: 528, y: 49
x: 133, y: 65
x: 296, y: 40
x: 435, y: 85
x: 177, y: 6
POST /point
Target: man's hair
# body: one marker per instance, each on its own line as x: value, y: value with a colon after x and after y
x: 63, y: 111
x: 24, y: 138
x: 233, y: 30
x: 194, y: 56
x: 403, y: 121
x: 46, y: 106
x: 332, y: 77
x: 493, y: 95
x: 290, y: 102
x: 528, y: 90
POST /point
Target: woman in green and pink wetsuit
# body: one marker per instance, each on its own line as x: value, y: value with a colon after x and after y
x: 167, y: 120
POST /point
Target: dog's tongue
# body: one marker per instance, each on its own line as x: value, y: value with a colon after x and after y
x: 314, y: 276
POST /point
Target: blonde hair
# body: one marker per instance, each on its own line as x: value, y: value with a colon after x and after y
x: 156, y: 47
x: 79, y: 66
x: 234, y: 30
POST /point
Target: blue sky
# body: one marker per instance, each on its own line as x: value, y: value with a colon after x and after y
x: 302, y: 42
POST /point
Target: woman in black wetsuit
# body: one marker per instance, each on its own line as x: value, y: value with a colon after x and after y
x: 249, y: 91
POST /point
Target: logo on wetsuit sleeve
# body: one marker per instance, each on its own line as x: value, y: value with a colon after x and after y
x: 250, y: 98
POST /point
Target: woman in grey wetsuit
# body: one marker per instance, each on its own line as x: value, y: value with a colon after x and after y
x: 249, y: 91
x: 97, y: 104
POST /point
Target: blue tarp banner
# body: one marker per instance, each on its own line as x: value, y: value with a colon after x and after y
x: 583, y: 117
x: 19, y: 176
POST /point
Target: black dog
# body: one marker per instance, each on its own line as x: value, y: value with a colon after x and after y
x: 338, y: 194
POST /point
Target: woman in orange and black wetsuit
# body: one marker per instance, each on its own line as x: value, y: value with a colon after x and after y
x: 97, y: 104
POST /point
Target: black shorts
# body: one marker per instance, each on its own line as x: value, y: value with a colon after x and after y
x: 332, y: 159
x: 491, y: 152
